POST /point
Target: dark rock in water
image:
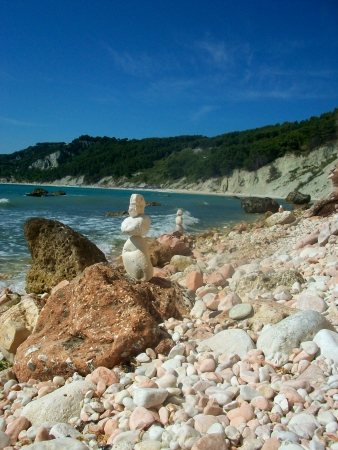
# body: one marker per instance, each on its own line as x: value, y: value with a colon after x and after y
x: 39, y: 192
x: 99, y: 319
x: 297, y: 198
x: 58, y: 253
x: 117, y: 214
x: 153, y: 204
x: 58, y: 193
x: 259, y: 205
x: 234, y: 197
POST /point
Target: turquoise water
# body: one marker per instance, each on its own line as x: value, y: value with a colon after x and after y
x: 84, y: 210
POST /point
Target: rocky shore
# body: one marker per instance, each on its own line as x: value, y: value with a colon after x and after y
x: 250, y: 361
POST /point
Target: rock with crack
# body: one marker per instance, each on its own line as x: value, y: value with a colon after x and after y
x: 99, y: 319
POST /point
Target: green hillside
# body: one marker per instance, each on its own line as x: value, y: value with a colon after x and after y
x: 156, y: 160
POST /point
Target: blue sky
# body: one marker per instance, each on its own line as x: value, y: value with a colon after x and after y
x: 160, y: 68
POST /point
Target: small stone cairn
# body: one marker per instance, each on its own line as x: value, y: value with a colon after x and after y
x: 135, y: 253
x: 179, y: 221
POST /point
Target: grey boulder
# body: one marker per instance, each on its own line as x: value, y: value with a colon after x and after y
x: 278, y: 341
x: 58, y: 406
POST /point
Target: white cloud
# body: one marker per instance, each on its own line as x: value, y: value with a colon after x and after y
x: 216, y: 51
x: 202, y: 112
x: 19, y: 123
x: 136, y: 65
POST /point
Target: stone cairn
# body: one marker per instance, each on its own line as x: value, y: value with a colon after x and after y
x: 135, y: 253
x: 179, y: 221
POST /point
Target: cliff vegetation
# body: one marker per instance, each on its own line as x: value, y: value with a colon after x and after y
x: 155, y: 161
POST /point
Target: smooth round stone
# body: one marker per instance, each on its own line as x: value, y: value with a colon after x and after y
x: 248, y: 393
x: 121, y: 395
x: 191, y: 370
x: 292, y: 447
x: 168, y: 380
x: 232, y: 433
x: 285, y: 436
x: 176, y: 350
x: 128, y: 403
x: 207, y: 365
x: 304, y: 418
x: 327, y: 341
x: 191, y: 411
x: 148, y: 397
x: 61, y: 430
x: 171, y: 364
x: 331, y: 427
x: 326, y: 417
x: 148, y: 445
x: 58, y: 381
x: 216, y: 428
x: 266, y: 391
x: 176, y: 336
x: 332, y: 379
x: 314, y: 445
x: 222, y: 398
x: 5, y: 440
x: 3, y: 424
x: 240, y: 311
x: 142, y: 358
x: 310, y: 347
x: 155, y: 433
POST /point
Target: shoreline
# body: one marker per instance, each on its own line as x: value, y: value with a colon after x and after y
x: 165, y: 190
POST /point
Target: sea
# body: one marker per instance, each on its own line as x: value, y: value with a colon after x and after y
x: 85, y: 209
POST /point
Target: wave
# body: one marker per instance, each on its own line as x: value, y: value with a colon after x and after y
x: 4, y: 201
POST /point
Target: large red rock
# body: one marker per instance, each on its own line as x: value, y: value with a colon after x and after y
x: 99, y: 319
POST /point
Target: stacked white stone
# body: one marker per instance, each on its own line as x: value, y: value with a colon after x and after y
x: 135, y: 253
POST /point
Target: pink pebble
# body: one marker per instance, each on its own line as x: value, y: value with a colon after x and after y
x: 207, y: 365
x: 141, y: 418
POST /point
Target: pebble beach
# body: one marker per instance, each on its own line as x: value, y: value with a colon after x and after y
x: 254, y: 364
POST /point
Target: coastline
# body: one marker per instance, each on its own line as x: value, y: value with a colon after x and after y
x: 142, y: 189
